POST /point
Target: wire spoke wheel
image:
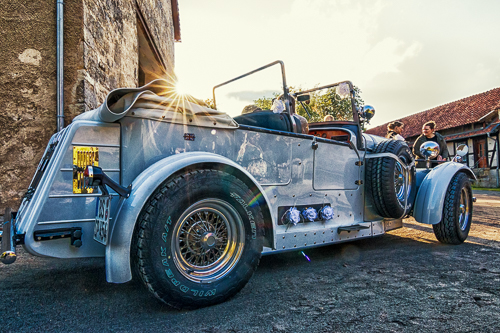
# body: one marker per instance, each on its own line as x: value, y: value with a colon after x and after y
x: 464, y: 209
x: 402, y: 182
x: 198, y: 241
x: 208, y: 240
x: 399, y: 182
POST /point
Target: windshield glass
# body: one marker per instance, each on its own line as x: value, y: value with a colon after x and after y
x: 250, y: 93
x: 257, y: 90
x: 329, y: 103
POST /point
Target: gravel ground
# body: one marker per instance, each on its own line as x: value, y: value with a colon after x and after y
x: 404, y: 281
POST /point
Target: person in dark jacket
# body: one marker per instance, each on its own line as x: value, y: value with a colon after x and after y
x: 429, y: 134
x: 394, y: 130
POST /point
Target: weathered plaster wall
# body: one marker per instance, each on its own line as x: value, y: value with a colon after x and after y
x: 100, y: 54
x: 28, y: 85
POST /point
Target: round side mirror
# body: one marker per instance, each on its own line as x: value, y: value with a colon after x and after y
x: 430, y: 149
x: 462, y: 150
x: 368, y: 112
x: 303, y: 98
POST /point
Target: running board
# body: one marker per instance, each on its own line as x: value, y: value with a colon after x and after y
x: 354, y: 227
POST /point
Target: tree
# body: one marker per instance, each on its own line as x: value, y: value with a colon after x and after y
x: 210, y: 103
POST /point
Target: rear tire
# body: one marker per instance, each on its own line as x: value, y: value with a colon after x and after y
x: 457, y: 212
x: 198, y: 239
x: 385, y: 179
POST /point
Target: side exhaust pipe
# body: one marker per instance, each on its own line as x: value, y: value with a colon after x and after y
x: 8, y: 248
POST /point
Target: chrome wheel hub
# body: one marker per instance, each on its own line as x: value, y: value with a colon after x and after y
x: 208, y: 240
x: 400, y: 180
x: 464, y: 209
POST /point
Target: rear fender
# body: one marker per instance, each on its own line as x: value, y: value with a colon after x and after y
x: 430, y: 197
x: 118, y: 264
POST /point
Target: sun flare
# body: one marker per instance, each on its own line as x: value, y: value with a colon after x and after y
x: 181, y: 88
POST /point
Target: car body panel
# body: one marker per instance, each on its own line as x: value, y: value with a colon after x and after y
x: 55, y: 206
x: 118, y: 268
x: 431, y: 193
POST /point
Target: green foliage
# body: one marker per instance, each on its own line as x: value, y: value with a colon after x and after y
x: 210, y: 103
x: 265, y: 103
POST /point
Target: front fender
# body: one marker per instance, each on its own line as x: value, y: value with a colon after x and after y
x: 118, y: 266
x: 431, y: 193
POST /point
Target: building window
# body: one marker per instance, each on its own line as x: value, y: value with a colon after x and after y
x: 150, y: 63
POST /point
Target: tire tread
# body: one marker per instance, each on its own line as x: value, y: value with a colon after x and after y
x: 143, y: 232
x: 446, y: 231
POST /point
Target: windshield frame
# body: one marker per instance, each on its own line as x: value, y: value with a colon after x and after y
x: 283, y: 76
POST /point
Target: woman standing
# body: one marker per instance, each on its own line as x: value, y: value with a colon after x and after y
x: 394, y: 130
x: 429, y: 134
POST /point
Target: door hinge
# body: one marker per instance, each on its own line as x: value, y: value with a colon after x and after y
x: 358, y: 163
x: 314, y: 145
x: 358, y: 182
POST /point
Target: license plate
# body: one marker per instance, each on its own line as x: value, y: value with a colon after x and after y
x: 101, y: 228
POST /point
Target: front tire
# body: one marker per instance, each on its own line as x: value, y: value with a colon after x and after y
x: 198, y: 239
x: 455, y: 224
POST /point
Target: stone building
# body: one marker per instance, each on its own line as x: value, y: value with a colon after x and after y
x: 473, y: 121
x: 107, y: 44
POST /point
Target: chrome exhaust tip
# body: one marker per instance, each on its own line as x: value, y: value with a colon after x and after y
x: 8, y: 257
x: 8, y: 247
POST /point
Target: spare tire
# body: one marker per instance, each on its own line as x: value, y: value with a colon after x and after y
x: 386, y: 181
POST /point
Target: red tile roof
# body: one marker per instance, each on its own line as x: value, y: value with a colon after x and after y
x: 462, y: 112
x: 488, y: 129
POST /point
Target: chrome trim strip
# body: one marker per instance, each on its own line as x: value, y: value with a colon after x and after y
x: 68, y: 221
x: 94, y: 145
x: 79, y: 195
x: 105, y: 170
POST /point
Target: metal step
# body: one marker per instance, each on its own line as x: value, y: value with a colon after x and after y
x: 354, y: 227
x: 75, y: 234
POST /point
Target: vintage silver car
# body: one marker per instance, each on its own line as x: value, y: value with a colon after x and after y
x: 188, y: 197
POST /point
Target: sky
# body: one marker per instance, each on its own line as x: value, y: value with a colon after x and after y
x: 405, y: 56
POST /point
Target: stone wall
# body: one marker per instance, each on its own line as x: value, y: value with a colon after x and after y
x: 100, y: 54
x: 158, y: 17
x: 486, y: 177
x: 110, y: 48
